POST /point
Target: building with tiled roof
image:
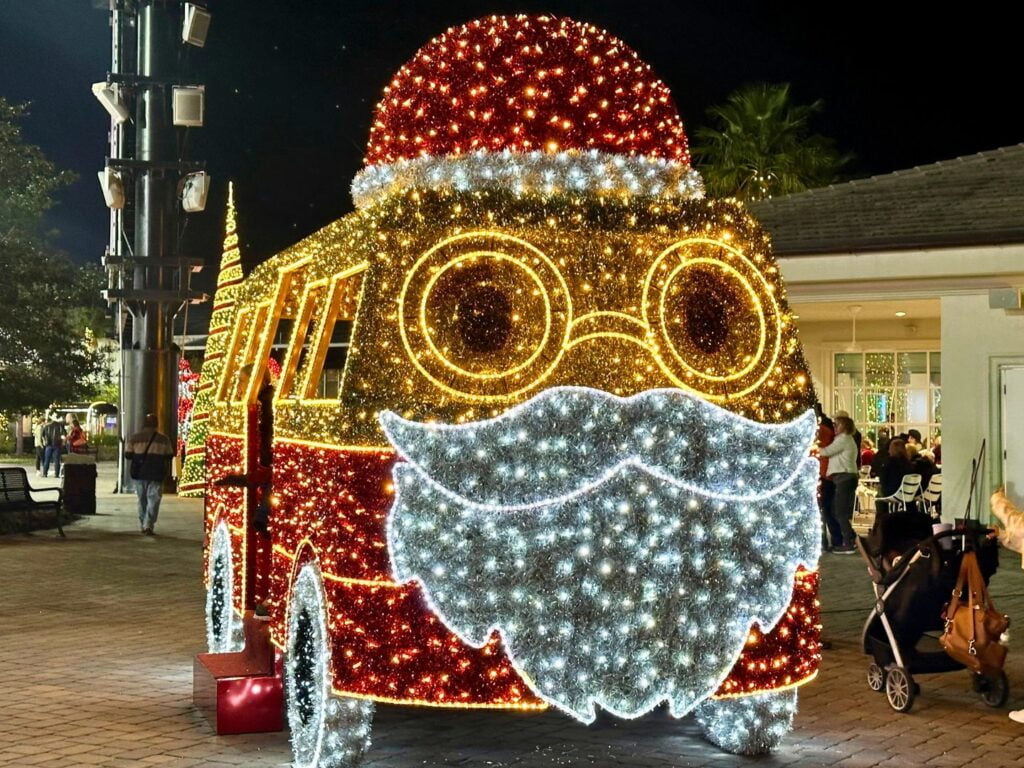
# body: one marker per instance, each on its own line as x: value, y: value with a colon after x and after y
x: 907, y: 287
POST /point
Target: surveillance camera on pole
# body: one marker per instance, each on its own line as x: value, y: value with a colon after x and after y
x: 109, y: 95
x: 195, y: 188
x: 196, y: 25
x: 113, y: 188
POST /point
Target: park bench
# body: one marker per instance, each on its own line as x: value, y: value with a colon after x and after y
x: 16, y: 496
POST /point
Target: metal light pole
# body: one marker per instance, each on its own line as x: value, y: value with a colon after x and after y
x: 148, y: 277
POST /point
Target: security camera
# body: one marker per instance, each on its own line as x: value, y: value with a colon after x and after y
x: 109, y: 95
x: 196, y: 25
x: 195, y: 188
x: 113, y: 188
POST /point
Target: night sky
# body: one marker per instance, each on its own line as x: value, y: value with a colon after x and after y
x: 291, y: 85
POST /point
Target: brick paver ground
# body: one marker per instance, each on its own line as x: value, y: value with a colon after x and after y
x: 97, y: 634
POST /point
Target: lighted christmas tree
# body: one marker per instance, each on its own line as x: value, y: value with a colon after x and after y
x: 193, y: 475
x: 187, y: 379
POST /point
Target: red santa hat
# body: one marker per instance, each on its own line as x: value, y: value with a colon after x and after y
x: 532, y: 104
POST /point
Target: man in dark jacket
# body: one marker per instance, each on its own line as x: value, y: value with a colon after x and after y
x: 149, y: 453
x: 53, y: 440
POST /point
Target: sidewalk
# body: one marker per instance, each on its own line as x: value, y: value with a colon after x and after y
x: 97, y: 634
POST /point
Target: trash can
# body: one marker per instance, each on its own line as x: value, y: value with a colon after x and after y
x: 80, y: 484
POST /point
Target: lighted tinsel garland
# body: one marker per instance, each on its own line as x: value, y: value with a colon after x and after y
x: 629, y: 558
x: 750, y: 725
x: 223, y: 625
x: 327, y: 732
x: 536, y: 173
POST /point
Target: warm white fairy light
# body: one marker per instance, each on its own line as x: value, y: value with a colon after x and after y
x: 328, y: 731
x: 639, y: 539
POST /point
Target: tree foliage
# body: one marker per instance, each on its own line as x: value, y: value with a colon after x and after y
x: 759, y: 144
x: 50, y: 310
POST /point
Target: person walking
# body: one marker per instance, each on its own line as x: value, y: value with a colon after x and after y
x: 842, y: 454
x: 149, y: 452
x: 37, y: 438
x: 53, y: 441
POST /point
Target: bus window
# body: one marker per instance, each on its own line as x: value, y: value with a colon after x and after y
x: 233, y: 356
x: 325, y: 361
x: 329, y: 382
x: 252, y: 347
x: 272, y: 324
x: 311, y: 316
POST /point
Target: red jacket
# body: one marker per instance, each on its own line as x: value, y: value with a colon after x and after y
x: 825, y: 436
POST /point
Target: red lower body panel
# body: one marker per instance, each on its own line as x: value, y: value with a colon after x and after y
x: 332, y: 506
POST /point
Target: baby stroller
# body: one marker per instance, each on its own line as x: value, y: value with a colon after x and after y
x: 914, y: 573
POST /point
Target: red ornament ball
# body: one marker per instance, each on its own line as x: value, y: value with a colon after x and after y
x: 525, y: 84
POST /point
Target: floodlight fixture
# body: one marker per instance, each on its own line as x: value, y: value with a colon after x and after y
x: 109, y: 95
x: 188, y: 102
x: 113, y: 188
x: 195, y: 188
x: 196, y: 25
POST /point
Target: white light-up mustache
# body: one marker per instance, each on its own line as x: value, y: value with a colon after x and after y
x: 569, y: 438
x: 622, y: 547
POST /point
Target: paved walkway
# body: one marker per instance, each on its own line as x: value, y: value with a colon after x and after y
x: 97, y: 634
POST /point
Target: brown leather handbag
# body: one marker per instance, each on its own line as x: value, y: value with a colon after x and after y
x: 973, y: 625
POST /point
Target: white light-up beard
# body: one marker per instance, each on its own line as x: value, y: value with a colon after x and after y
x: 622, y: 547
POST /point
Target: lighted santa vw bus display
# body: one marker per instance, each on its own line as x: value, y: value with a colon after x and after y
x: 541, y: 425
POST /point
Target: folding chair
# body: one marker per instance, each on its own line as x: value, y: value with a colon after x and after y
x: 907, y: 493
x: 932, y: 494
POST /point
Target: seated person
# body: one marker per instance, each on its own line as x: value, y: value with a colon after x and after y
x: 867, y: 452
x: 921, y: 465
x: 890, y: 471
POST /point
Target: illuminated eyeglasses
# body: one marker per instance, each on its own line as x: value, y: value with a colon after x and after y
x: 487, y: 317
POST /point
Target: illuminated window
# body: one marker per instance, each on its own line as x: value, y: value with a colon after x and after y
x: 319, y: 347
x: 234, y: 355
x: 296, y: 365
x: 273, y: 324
x: 249, y: 350
x: 897, y: 390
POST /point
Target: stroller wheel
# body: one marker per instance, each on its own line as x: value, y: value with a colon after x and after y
x: 876, y: 678
x: 997, y: 691
x: 899, y: 689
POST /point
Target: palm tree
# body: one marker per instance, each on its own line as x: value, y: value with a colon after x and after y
x: 759, y: 145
